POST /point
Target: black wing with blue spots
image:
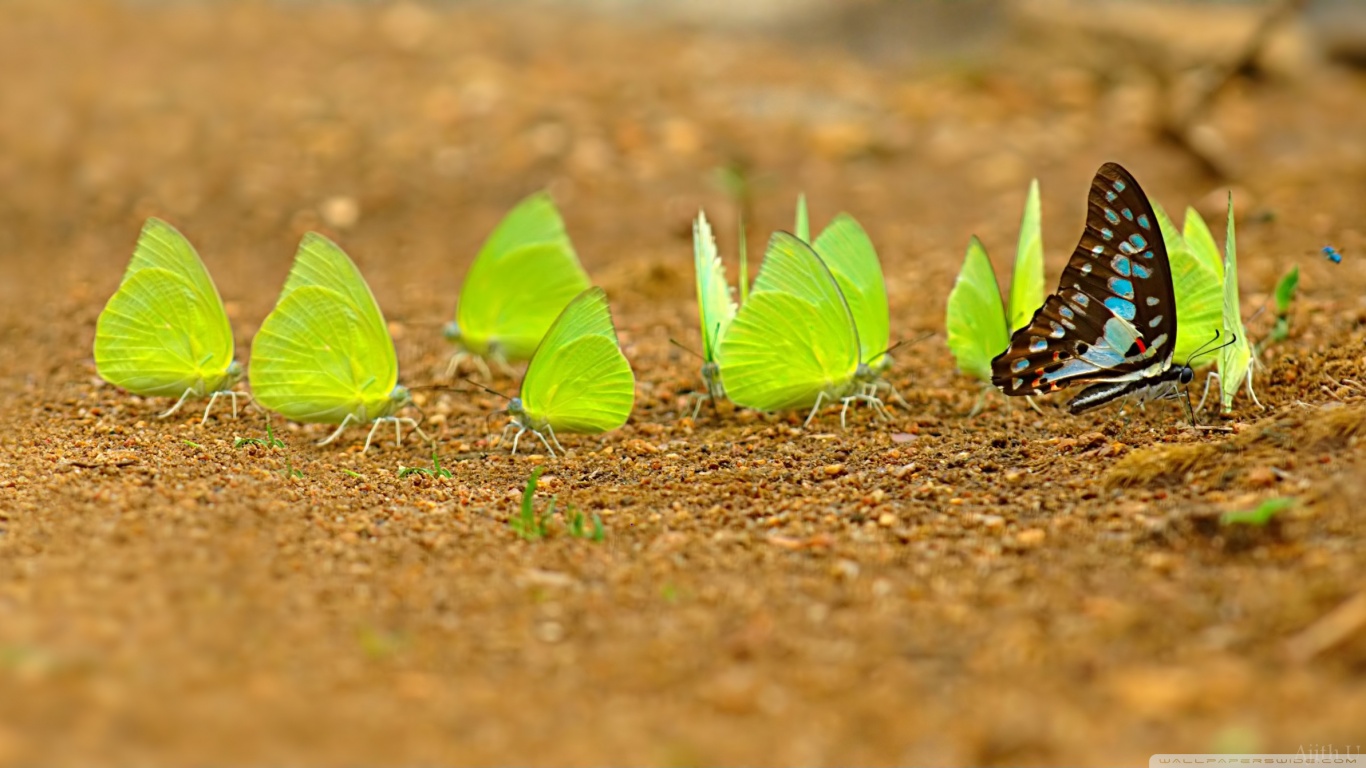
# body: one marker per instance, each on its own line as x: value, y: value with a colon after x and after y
x: 1113, y: 317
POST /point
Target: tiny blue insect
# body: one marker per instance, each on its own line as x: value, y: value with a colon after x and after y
x: 1332, y: 255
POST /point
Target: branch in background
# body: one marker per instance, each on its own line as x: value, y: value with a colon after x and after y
x: 1185, y: 128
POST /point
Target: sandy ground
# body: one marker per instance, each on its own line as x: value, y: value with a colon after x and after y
x: 1012, y: 588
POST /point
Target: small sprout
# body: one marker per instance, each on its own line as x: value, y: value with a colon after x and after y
x: 354, y: 474
x: 1285, y: 295
x: 574, y: 521
x: 532, y: 526
x: 270, y: 441
x: 290, y: 472
x: 1260, y: 515
x: 528, y: 524
x: 436, y: 471
x: 193, y: 444
x: 378, y: 644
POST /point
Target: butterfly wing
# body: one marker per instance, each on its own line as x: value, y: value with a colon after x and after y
x: 324, y: 351
x: 794, y: 338
x: 322, y: 263
x: 715, y: 306
x: 1114, y: 315
x: 578, y: 379
x: 157, y: 337
x: 314, y: 359
x: 1026, y: 282
x: 975, y: 319
x: 524, y: 275
x: 1201, y: 242
x: 1235, y: 358
x: 851, y: 258
x: 803, y: 223
x: 164, y: 330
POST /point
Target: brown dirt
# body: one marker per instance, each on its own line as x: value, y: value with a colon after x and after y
x: 1010, y: 588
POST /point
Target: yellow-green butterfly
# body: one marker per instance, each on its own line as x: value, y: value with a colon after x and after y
x: 578, y: 380
x: 1197, y: 281
x: 1207, y: 302
x: 794, y: 342
x: 849, y: 254
x: 323, y: 354
x: 525, y: 273
x: 978, y: 322
x: 164, y: 333
x: 715, y: 305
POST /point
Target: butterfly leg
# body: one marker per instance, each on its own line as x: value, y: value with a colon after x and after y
x: 504, y: 435
x: 537, y: 433
x: 369, y: 437
x: 820, y: 399
x: 556, y: 440
x: 1033, y: 405
x: 345, y: 423
x: 212, y: 399
x: 1250, y: 392
x: 1211, y: 377
x: 418, y: 429
x: 177, y: 405
x: 515, y: 438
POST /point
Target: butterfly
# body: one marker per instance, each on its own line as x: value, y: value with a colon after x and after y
x: 324, y: 355
x: 1197, y: 280
x: 715, y: 304
x: 978, y: 322
x: 525, y: 273
x: 578, y: 380
x: 164, y: 332
x: 1330, y: 253
x: 794, y: 343
x: 1112, y: 322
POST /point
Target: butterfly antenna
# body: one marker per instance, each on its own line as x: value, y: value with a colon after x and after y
x: 904, y: 343
x: 1202, y: 351
x: 486, y: 389
x: 689, y: 350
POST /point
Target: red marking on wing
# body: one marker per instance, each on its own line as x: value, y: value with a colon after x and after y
x: 1141, y: 346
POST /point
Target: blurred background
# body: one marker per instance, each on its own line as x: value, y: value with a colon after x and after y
x: 406, y: 128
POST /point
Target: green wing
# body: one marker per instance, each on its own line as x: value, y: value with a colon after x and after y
x: 714, y: 304
x: 803, y: 223
x: 522, y: 278
x: 578, y: 380
x: 324, y: 353
x: 1171, y: 236
x: 794, y: 338
x: 158, y: 337
x: 161, y: 246
x: 1201, y: 242
x: 164, y: 330
x: 1026, y: 282
x: 975, y: 319
x: 322, y: 263
x: 1235, y: 359
x: 533, y: 220
x: 849, y: 254
x: 1199, y: 303
x: 316, y: 359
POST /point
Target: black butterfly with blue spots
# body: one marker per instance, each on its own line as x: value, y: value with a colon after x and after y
x: 1112, y: 322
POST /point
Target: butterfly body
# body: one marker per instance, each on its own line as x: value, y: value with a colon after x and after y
x: 1112, y: 322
